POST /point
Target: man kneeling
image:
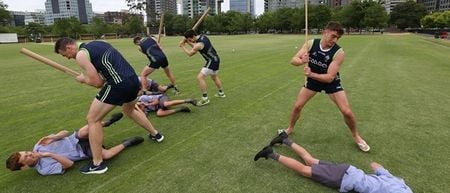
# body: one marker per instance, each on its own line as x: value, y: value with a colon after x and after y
x: 55, y: 153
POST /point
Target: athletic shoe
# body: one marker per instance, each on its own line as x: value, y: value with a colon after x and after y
x: 169, y: 86
x: 192, y: 101
x: 263, y: 153
x: 158, y: 137
x: 202, y: 102
x: 220, y: 95
x: 176, y: 91
x: 279, y: 139
x: 132, y: 141
x: 90, y: 168
x: 115, y: 117
x: 185, y: 109
x: 279, y: 131
x: 363, y: 146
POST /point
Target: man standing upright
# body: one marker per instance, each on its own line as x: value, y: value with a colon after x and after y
x: 324, y: 58
x: 104, y: 67
x: 201, y: 43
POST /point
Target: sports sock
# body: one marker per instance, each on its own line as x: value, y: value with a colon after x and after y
x: 274, y: 156
x: 287, y: 141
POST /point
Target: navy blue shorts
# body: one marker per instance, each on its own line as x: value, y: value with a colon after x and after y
x: 329, y: 88
x: 329, y: 174
x: 161, y: 63
x: 121, y: 93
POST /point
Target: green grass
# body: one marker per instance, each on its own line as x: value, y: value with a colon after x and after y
x: 398, y: 87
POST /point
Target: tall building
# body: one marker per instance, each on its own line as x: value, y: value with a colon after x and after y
x: 20, y: 18
x: 156, y: 7
x: 193, y: 8
x: 57, y: 9
x: 435, y: 5
x: 243, y: 6
x: 272, y: 5
x: 390, y: 4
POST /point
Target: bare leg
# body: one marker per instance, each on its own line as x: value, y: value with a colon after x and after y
x: 202, y: 82
x: 305, y: 155
x: 217, y: 81
x: 138, y: 117
x: 302, y: 98
x: 96, y: 113
x: 111, y: 152
x: 173, y: 102
x: 145, y: 72
x: 163, y: 113
x: 296, y: 166
x: 170, y: 75
x: 340, y: 99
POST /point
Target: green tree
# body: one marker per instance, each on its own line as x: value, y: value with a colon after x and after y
x: 351, y: 16
x: 407, y: 14
x: 375, y: 16
x: 134, y: 25
x: 34, y: 29
x: 98, y: 27
x: 265, y: 22
x: 4, y: 14
x: 68, y: 27
x: 319, y: 16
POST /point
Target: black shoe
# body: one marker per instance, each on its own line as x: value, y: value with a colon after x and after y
x: 115, y: 117
x: 192, y: 101
x: 169, y: 86
x: 263, y: 153
x: 158, y: 137
x: 132, y: 141
x: 185, y: 109
x: 90, y: 168
x: 279, y: 139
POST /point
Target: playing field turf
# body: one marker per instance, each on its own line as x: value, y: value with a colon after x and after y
x: 398, y: 87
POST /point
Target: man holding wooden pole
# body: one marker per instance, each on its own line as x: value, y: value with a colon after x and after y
x: 151, y: 48
x: 104, y: 67
x: 201, y: 43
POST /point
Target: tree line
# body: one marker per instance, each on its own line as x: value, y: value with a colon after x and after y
x: 358, y: 16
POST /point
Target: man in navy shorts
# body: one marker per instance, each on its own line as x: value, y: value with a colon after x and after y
x: 323, y: 58
x: 104, y: 67
x: 150, y: 47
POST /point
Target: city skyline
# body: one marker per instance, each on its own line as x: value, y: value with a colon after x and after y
x: 99, y: 6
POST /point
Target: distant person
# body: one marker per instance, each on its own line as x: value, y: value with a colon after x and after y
x: 343, y: 177
x: 324, y: 58
x: 150, y: 47
x: 201, y: 43
x: 55, y: 153
x: 161, y: 104
x: 104, y: 67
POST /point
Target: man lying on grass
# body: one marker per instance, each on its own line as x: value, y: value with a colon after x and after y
x: 55, y: 153
x: 343, y: 177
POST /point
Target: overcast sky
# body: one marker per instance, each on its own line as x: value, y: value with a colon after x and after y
x: 100, y: 5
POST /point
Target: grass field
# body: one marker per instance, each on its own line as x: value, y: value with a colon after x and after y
x: 398, y: 87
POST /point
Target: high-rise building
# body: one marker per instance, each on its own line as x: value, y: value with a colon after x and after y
x: 20, y: 18
x: 243, y: 6
x: 156, y: 7
x: 272, y: 5
x: 435, y: 5
x: 57, y: 9
x: 193, y: 8
x: 390, y: 4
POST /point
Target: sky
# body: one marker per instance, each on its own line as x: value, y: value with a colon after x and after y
x: 100, y: 5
